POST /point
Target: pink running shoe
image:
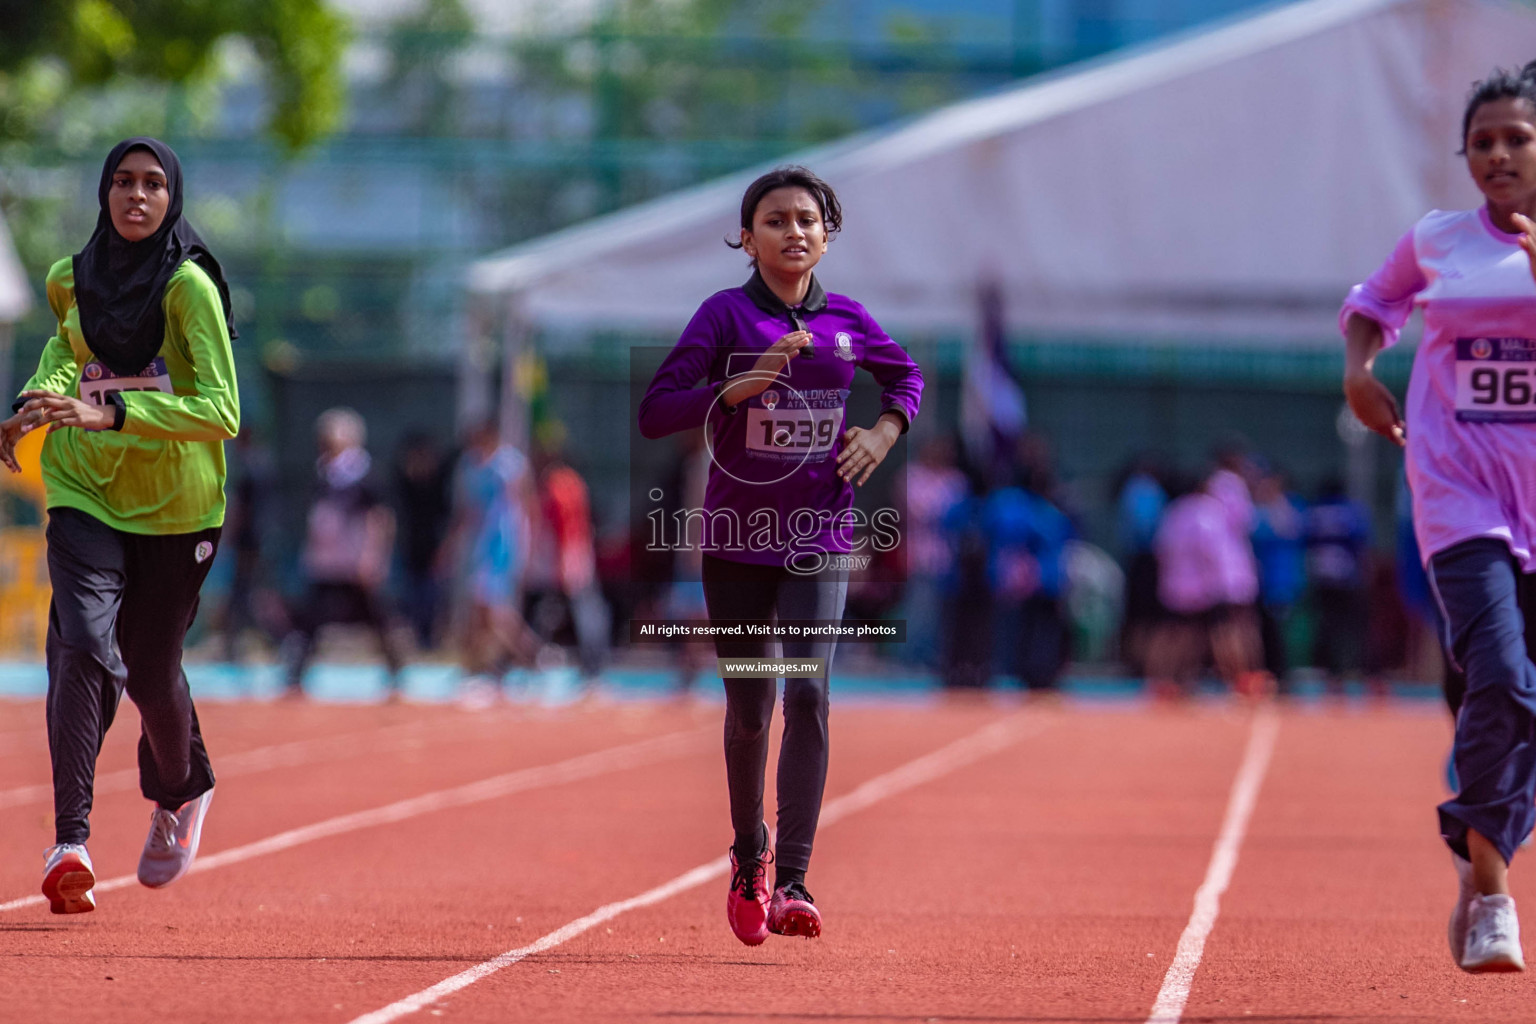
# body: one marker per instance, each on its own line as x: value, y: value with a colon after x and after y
x: 793, y: 912
x: 746, y: 905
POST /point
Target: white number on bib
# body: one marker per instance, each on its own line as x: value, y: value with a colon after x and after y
x: 1496, y: 380
x: 98, y: 384
x: 793, y: 432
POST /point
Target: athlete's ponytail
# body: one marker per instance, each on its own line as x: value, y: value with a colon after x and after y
x: 1502, y: 84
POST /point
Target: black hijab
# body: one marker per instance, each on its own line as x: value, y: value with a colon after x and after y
x: 119, y: 284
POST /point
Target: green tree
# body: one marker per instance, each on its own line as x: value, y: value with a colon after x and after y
x: 52, y: 51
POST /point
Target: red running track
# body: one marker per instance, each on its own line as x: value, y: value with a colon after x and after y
x: 1041, y: 867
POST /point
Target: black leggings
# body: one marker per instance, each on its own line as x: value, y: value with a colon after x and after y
x: 738, y: 590
x: 122, y: 604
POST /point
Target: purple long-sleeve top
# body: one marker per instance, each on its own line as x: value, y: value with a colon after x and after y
x: 773, y: 487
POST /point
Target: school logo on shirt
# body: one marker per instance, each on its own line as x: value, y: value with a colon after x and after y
x: 844, y: 343
x: 1481, y: 348
x: 203, y: 552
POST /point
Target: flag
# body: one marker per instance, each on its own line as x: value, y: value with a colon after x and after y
x: 992, y: 411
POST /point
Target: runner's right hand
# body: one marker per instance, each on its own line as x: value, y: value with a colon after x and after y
x: 1374, y: 406
x: 768, y: 366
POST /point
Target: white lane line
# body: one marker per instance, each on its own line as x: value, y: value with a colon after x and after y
x: 260, y: 759
x: 1169, y: 1007
x: 941, y: 762
x: 601, y: 762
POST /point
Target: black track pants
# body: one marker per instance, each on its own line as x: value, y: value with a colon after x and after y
x: 736, y: 590
x: 122, y: 604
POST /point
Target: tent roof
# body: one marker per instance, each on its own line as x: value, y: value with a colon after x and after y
x: 15, y: 294
x: 1230, y: 183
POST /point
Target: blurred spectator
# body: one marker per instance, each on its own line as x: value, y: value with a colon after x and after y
x: 562, y: 584
x: 1228, y: 484
x: 485, y: 553
x: 1026, y: 536
x: 1338, y: 537
x: 1207, y: 583
x: 684, y: 598
x: 1139, y: 503
x: 1279, y: 546
x: 250, y: 511
x: 934, y: 486
x: 422, y: 491
x: 347, y: 547
x: 1388, y: 626
x: 968, y: 590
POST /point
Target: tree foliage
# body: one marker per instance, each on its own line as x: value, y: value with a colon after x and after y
x: 50, y: 51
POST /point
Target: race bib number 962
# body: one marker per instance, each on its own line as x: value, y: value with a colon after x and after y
x: 1496, y: 380
x: 98, y: 384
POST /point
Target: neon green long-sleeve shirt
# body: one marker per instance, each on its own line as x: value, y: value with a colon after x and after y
x: 164, y: 471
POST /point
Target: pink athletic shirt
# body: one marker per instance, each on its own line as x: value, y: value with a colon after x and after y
x: 1201, y: 561
x: 1472, y: 396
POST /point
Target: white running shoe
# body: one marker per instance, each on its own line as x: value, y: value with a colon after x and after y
x: 68, y: 878
x: 172, y: 842
x: 1493, y: 936
x: 1465, y: 894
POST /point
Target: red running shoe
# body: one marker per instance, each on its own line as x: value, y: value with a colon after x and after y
x: 68, y: 878
x: 793, y: 912
x: 746, y: 905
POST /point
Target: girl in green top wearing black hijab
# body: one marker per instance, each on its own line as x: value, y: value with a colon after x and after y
x: 137, y: 391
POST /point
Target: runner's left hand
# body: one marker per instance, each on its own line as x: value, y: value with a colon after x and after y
x: 59, y: 411
x: 863, y: 450
x: 1527, y: 238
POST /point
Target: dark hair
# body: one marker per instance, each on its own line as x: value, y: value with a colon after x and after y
x: 1502, y: 84
x: 791, y: 176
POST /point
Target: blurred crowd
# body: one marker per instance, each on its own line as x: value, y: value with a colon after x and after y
x: 1225, y: 572
x: 482, y: 552
x: 488, y: 555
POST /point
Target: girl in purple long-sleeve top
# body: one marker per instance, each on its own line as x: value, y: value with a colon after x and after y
x: 777, y: 358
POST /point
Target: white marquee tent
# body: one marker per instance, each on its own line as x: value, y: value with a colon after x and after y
x: 1227, y: 185
x: 15, y: 294
x: 15, y: 300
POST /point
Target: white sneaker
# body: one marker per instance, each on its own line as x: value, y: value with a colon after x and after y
x: 172, y: 841
x: 1465, y: 894
x: 68, y: 878
x: 1493, y: 936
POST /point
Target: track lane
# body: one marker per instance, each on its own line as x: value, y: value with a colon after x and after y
x: 287, y: 937
x: 1339, y: 909
x: 1027, y: 887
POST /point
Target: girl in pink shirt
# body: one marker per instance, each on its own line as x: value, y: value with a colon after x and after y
x: 1470, y: 435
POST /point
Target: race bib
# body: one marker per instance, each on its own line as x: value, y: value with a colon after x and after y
x: 784, y: 427
x: 98, y: 384
x: 1496, y: 380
